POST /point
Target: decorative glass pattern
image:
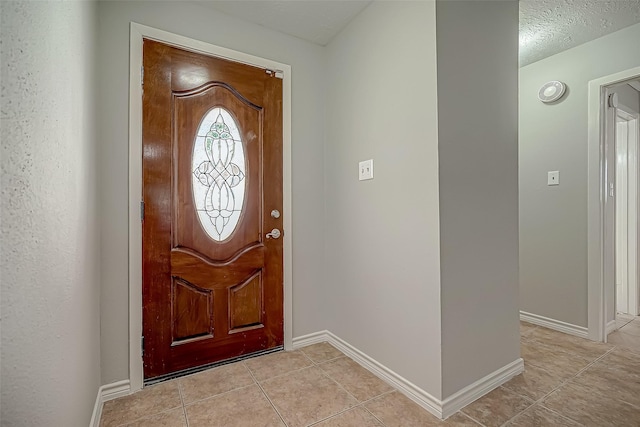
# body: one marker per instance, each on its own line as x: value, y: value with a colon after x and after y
x: 218, y: 174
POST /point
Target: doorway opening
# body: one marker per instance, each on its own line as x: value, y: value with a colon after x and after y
x: 623, y: 122
x: 623, y: 130
x: 612, y: 200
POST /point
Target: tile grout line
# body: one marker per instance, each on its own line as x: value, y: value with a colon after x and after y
x: 217, y: 395
x: 313, y: 364
x: 374, y: 416
x: 280, y: 375
x: 588, y: 365
x: 342, y: 355
x: 359, y: 405
x: 314, y: 423
x: 305, y: 355
x: 615, y: 347
x: 363, y: 403
x: 561, y: 415
x: 540, y: 400
x: 324, y: 374
x: 375, y: 398
x: 510, y: 418
x: 332, y: 360
x: 545, y: 343
x: 630, y: 336
x: 146, y: 417
x: 264, y: 393
x: 471, y: 418
x: 539, y: 403
x: 184, y: 409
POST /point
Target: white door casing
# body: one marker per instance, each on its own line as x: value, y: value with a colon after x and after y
x: 622, y: 302
x: 627, y: 210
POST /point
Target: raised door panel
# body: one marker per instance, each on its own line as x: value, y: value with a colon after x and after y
x: 192, y: 312
x: 246, y: 305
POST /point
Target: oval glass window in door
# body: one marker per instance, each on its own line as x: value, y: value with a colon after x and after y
x: 219, y: 171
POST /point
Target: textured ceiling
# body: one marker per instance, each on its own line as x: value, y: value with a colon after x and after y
x: 317, y: 21
x: 546, y: 26
x: 551, y: 26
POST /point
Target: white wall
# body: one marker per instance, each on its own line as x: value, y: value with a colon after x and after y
x: 49, y: 268
x: 478, y: 166
x: 382, y: 253
x: 553, y: 220
x: 366, y: 254
x: 203, y: 23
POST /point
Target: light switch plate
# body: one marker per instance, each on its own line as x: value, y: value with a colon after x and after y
x: 553, y: 178
x: 365, y: 170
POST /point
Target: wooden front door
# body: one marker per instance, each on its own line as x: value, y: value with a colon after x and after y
x: 212, y: 183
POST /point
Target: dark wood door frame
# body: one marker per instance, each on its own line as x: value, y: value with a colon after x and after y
x: 137, y: 33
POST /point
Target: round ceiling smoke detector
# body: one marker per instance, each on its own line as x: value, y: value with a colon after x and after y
x: 551, y: 91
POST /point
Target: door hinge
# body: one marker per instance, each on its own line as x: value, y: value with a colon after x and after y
x: 142, y: 76
x: 275, y: 73
x: 142, y: 345
x: 141, y: 211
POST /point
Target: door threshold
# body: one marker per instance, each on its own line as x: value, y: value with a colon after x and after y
x: 189, y: 371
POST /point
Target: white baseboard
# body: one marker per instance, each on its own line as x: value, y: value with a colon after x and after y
x: 475, y: 391
x: 611, y: 326
x: 412, y: 391
x: 557, y: 325
x: 439, y: 408
x: 309, y: 339
x: 105, y: 393
x: 97, y: 410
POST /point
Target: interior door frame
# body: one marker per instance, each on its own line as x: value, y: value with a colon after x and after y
x: 597, y: 199
x: 633, y: 122
x: 138, y: 32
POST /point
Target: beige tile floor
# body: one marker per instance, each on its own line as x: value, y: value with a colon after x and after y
x: 567, y: 381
